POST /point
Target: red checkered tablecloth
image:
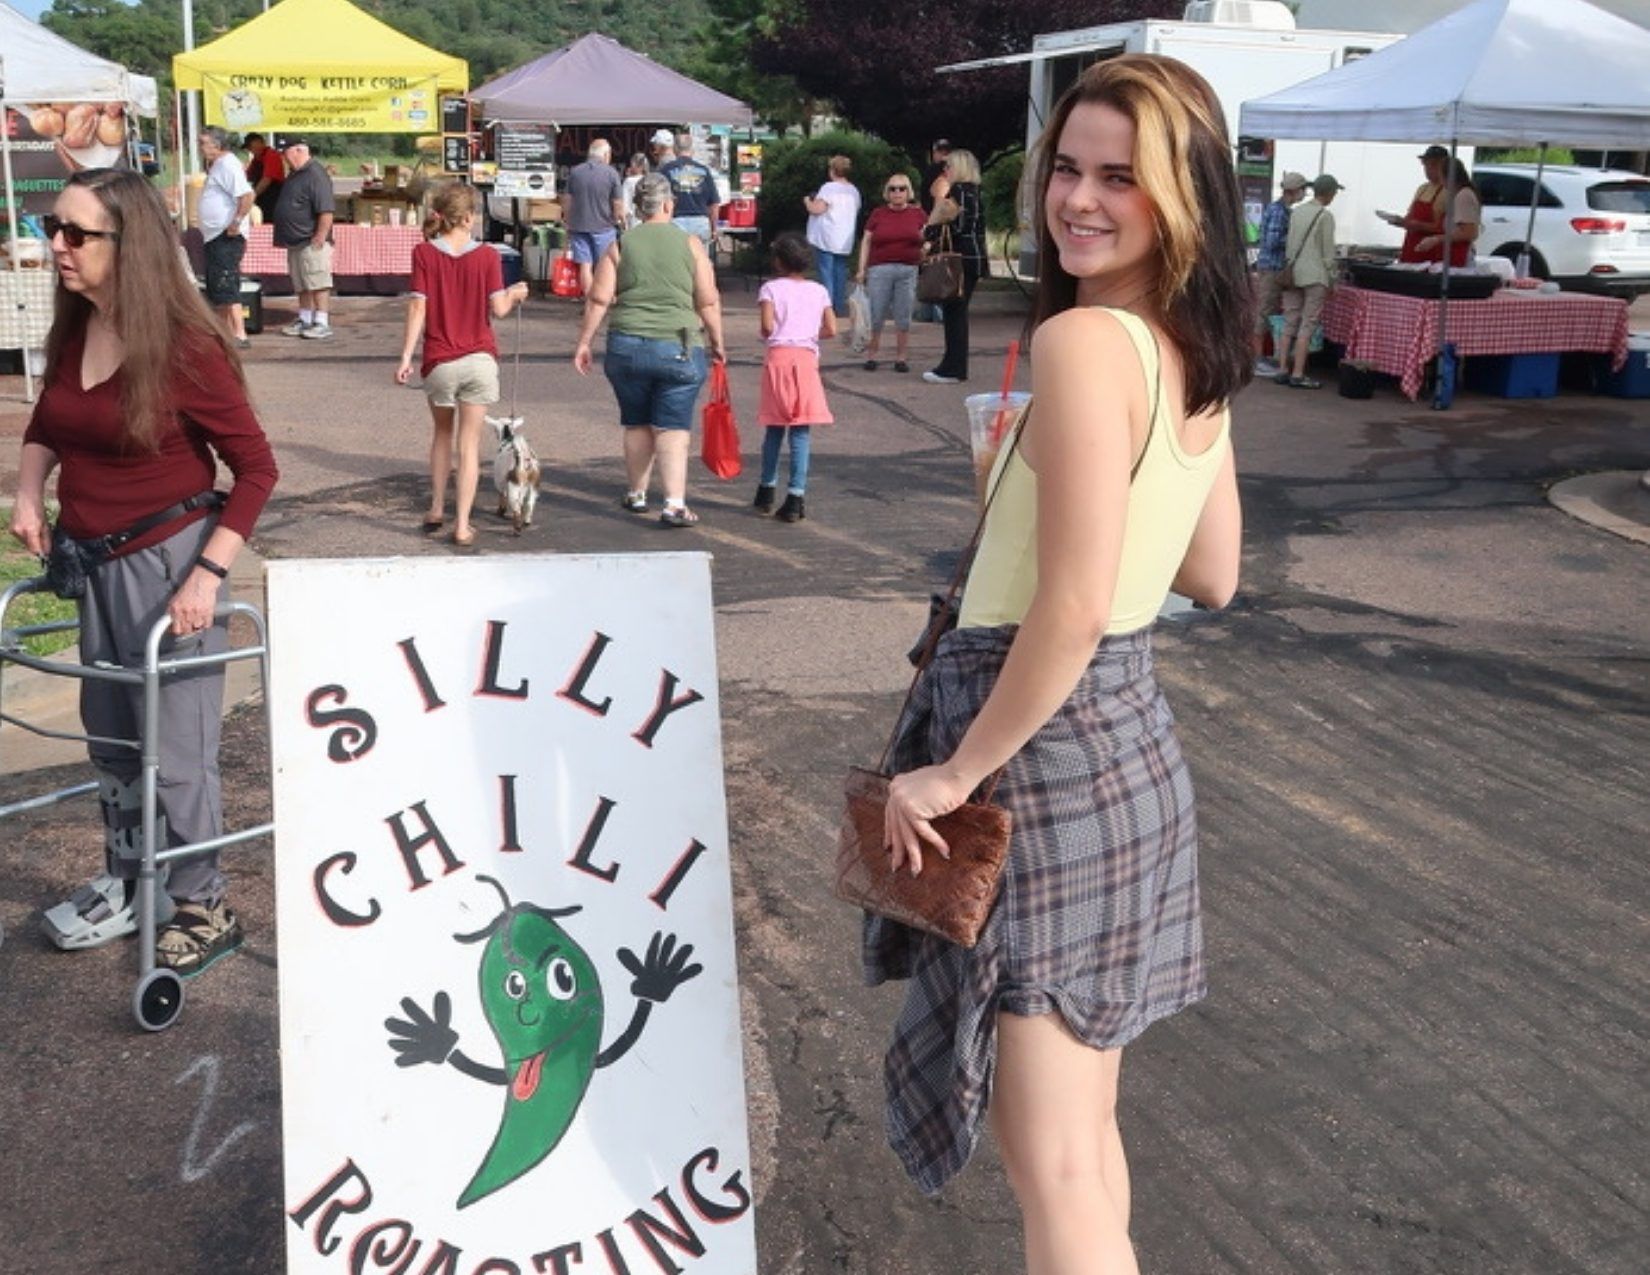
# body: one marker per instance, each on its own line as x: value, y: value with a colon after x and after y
x: 356, y: 250
x: 1399, y: 335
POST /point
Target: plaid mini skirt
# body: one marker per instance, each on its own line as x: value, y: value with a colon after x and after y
x: 1098, y: 917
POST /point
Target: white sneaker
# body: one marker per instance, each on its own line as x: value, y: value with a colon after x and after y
x: 296, y: 328
x: 317, y: 332
x: 1265, y: 367
x: 935, y: 378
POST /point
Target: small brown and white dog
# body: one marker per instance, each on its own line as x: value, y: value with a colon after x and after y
x: 515, y: 471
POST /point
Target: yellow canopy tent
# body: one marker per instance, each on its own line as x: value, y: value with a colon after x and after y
x: 320, y: 66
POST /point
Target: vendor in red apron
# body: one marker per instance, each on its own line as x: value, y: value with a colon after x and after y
x: 1423, y: 221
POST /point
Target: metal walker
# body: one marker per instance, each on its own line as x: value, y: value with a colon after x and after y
x: 158, y: 997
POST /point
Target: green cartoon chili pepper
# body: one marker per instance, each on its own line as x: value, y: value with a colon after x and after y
x: 543, y: 1000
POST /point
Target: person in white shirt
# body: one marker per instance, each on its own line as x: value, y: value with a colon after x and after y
x: 223, y: 215
x: 833, y: 215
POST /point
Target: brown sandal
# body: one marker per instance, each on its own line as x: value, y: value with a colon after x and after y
x: 464, y: 539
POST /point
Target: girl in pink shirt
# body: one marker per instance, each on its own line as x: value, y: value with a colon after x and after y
x: 796, y: 312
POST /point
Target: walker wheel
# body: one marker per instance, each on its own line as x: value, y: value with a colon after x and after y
x: 157, y: 1000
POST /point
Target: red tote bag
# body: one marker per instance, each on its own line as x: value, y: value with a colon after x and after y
x: 719, y: 437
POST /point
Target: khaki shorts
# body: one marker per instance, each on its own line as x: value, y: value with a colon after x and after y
x: 472, y: 378
x: 310, y: 267
x: 1269, y: 296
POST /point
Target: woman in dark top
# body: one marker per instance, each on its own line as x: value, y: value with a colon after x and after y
x: 958, y: 223
x: 143, y: 396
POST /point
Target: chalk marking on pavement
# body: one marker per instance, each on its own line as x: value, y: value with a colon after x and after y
x: 193, y: 1169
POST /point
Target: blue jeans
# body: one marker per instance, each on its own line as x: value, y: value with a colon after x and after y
x: 801, y: 446
x: 833, y: 273
x: 656, y: 382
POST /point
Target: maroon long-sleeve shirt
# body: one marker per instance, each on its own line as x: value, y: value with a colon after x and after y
x: 106, y: 485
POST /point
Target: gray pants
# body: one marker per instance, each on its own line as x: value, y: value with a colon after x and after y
x: 893, y: 291
x: 124, y: 598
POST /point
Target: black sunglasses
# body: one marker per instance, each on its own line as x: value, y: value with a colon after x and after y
x: 73, y: 235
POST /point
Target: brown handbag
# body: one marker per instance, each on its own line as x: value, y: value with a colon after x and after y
x: 952, y: 897
x: 940, y: 276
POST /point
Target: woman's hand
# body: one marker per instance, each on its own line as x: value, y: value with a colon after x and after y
x: 1429, y: 243
x: 192, y: 605
x: 582, y: 359
x: 403, y: 373
x: 28, y: 524
x: 914, y: 799
x: 518, y: 292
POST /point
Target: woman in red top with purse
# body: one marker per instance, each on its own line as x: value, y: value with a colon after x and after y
x: 143, y: 397
x: 889, y: 252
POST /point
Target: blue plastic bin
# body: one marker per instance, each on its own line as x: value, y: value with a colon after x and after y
x: 512, y: 263
x: 1514, y: 375
x: 1633, y: 381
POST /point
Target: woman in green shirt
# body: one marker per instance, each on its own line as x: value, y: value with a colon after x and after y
x: 667, y: 314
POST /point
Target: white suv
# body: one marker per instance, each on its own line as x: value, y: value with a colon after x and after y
x: 1592, y: 225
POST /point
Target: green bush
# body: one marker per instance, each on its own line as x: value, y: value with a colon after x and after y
x: 1000, y: 189
x: 1522, y: 155
x: 794, y: 167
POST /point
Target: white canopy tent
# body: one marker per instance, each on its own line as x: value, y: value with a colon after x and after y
x: 37, y: 66
x: 1493, y: 73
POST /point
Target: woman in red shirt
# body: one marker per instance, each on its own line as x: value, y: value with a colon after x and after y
x: 889, y: 253
x: 457, y: 289
x: 143, y: 396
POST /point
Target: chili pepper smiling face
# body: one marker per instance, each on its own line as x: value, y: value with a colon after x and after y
x: 543, y: 1000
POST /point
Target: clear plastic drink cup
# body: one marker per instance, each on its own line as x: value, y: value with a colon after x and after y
x: 990, y: 417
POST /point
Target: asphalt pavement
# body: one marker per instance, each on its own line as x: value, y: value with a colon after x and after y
x: 1420, y: 738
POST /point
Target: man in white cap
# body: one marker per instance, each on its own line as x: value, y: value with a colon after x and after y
x: 697, y: 198
x: 661, y: 149
x: 303, y: 226
x: 1269, y: 259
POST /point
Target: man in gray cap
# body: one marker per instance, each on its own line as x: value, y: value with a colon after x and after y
x: 1269, y: 258
x: 1310, y: 262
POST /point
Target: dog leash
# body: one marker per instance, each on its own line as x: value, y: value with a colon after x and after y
x: 515, y: 367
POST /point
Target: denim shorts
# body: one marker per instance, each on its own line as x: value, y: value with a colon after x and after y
x: 589, y: 246
x: 656, y: 382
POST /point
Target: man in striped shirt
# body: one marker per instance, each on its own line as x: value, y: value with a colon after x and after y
x: 1274, y: 235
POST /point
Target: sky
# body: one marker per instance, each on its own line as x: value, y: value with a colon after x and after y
x: 33, y: 8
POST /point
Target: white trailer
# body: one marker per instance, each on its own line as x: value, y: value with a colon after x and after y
x: 1243, y: 60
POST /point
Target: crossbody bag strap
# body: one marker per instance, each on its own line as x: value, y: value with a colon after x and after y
x: 964, y: 562
x: 1305, y: 239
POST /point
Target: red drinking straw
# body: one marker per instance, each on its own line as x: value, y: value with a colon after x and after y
x: 999, y: 426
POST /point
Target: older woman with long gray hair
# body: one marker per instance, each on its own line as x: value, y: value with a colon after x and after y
x: 666, y: 314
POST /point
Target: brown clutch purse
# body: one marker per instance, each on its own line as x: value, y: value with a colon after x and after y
x: 950, y: 897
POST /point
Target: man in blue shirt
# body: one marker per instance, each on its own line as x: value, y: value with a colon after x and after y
x: 1269, y: 261
x: 696, y: 194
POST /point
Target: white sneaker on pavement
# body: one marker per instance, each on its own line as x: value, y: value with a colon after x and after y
x: 296, y: 328
x: 317, y: 332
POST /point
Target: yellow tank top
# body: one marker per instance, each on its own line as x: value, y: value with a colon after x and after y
x: 1165, y: 499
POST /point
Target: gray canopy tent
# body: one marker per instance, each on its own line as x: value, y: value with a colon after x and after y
x: 596, y: 80
x: 1494, y: 73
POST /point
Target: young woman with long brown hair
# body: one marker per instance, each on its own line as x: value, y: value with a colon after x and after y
x: 1117, y: 485
x: 143, y: 396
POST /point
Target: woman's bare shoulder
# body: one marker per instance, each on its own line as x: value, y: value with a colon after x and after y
x: 1080, y: 339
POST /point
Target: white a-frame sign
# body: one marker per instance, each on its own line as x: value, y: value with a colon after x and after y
x: 509, y: 1010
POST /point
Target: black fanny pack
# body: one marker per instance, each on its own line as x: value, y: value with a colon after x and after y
x: 72, y: 561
